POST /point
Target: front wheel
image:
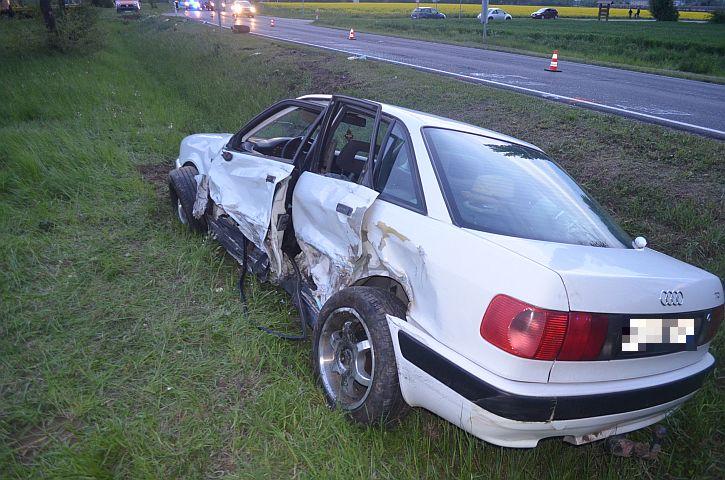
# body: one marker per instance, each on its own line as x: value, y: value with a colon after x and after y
x: 354, y: 358
x: 182, y: 193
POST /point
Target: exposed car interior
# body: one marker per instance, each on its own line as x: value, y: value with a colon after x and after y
x: 348, y: 146
x: 281, y: 134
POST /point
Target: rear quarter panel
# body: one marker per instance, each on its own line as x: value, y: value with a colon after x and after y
x: 450, y: 277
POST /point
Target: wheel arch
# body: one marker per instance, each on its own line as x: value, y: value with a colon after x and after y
x: 189, y: 163
x: 386, y: 283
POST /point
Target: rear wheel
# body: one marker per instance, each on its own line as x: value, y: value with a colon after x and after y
x: 182, y: 193
x: 354, y: 357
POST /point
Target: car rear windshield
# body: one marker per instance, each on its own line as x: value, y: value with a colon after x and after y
x: 508, y: 189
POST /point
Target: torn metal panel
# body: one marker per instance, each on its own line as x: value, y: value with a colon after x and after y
x: 391, y: 253
x: 273, y: 243
x: 397, y: 245
x: 245, y: 187
x: 328, y: 214
x: 202, y: 195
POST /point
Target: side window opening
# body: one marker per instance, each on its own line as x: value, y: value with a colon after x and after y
x: 394, y: 175
x: 280, y: 134
x: 346, y: 152
x: 289, y: 123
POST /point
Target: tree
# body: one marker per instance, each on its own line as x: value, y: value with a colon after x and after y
x: 663, y: 10
x: 48, y: 16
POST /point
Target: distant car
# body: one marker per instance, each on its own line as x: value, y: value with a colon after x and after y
x: 128, y: 6
x: 496, y: 14
x: 243, y: 8
x: 191, y: 5
x: 545, y: 14
x: 427, y: 12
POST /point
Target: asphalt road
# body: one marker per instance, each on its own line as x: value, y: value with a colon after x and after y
x: 689, y: 105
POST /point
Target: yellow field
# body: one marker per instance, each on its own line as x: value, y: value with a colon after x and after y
x: 517, y: 11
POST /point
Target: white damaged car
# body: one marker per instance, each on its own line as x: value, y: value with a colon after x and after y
x: 450, y: 267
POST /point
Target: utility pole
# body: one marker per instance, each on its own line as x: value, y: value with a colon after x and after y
x: 484, y: 18
x: 219, y: 13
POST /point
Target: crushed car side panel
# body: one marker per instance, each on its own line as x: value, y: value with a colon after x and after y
x: 328, y: 214
x: 245, y: 188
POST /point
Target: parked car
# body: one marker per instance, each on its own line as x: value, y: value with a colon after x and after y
x: 496, y: 14
x: 451, y: 267
x: 545, y: 14
x: 243, y: 8
x: 128, y: 6
x: 427, y: 12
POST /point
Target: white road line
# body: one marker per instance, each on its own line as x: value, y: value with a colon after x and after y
x: 531, y: 91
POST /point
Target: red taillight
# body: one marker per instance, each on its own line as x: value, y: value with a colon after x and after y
x: 715, y: 321
x: 585, y: 337
x: 531, y: 332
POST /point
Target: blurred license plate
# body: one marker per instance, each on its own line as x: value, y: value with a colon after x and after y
x: 643, y: 331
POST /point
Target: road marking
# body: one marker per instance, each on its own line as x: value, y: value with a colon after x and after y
x: 711, y: 132
x: 656, y: 111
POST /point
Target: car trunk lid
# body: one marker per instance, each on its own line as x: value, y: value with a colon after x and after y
x: 628, y: 286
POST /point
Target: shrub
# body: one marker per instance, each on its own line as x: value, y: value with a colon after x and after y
x: 663, y: 10
x: 717, y: 16
x: 76, y: 29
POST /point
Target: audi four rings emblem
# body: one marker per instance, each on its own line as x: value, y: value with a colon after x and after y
x: 671, y: 298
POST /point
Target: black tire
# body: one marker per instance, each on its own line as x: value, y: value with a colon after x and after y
x: 182, y: 190
x: 384, y: 402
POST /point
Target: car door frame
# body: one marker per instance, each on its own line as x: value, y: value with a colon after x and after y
x: 316, y: 150
x: 246, y: 222
x: 268, y: 112
x: 415, y: 174
x: 334, y: 278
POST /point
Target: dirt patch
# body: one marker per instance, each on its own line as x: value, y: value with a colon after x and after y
x: 157, y: 174
x: 32, y: 442
x: 322, y: 79
x: 222, y: 463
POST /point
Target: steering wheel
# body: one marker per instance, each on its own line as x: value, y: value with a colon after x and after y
x: 287, y: 146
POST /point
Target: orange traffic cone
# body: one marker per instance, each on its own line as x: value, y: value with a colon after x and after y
x: 554, y: 66
x: 352, y: 35
x: 271, y: 23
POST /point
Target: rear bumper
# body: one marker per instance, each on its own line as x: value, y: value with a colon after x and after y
x: 519, y: 414
x: 526, y: 408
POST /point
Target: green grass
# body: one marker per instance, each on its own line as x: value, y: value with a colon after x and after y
x: 681, y: 49
x: 123, y: 350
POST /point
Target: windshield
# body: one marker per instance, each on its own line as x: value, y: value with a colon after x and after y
x: 541, y: 10
x: 507, y: 189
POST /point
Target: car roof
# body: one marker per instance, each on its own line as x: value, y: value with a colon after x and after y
x: 416, y: 119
